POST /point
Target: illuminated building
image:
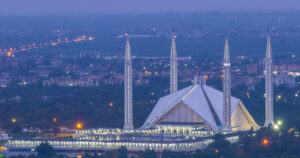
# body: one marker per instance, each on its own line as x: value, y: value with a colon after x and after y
x: 184, y: 120
x: 198, y: 107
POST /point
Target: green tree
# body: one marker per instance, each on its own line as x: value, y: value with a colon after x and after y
x: 122, y: 152
x: 32, y: 156
x: 149, y: 153
x: 170, y: 154
x: 45, y: 150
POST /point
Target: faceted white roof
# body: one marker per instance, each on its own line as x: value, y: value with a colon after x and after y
x: 195, y: 98
x: 216, y: 99
x: 165, y: 104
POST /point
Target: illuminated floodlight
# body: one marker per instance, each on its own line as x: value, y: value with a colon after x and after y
x: 79, y: 125
x: 279, y: 122
x: 276, y: 127
x: 13, y: 120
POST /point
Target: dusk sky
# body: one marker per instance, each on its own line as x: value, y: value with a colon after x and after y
x: 42, y: 7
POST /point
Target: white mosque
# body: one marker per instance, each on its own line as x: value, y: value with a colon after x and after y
x: 184, y: 120
x: 200, y: 106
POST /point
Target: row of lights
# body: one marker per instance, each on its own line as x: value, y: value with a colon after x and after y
x: 14, y: 120
x: 9, y: 52
x: 78, y: 125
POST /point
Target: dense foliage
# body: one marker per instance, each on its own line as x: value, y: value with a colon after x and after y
x: 90, y: 105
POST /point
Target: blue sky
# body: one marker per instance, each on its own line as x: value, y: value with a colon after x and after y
x: 40, y: 7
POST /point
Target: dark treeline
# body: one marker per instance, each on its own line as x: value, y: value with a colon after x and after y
x: 90, y: 105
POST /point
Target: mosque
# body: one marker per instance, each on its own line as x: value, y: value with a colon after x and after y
x: 197, y: 106
x: 184, y: 120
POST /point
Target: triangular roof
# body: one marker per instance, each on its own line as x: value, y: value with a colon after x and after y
x: 165, y: 104
x: 205, y: 101
x: 216, y: 99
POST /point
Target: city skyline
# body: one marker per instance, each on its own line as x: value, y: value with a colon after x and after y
x: 80, y: 86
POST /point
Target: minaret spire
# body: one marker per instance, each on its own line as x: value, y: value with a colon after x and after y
x: 269, y: 83
x: 128, y: 120
x: 173, y: 66
x: 226, y: 88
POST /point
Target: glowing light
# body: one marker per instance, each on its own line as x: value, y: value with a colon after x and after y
x: 279, y: 122
x: 91, y: 38
x: 111, y: 104
x: 265, y: 141
x: 79, y: 125
x: 13, y: 120
x: 54, y: 120
x: 279, y: 97
x: 226, y: 64
x: 9, y: 54
x: 291, y: 130
x: 216, y: 150
x: 276, y: 127
x: 147, y: 72
x: 2, y: 148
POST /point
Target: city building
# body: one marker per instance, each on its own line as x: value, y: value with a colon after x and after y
x: 256, y: 69
x: 200, y: 107
x: 4, y: 136
x: 284, y: 80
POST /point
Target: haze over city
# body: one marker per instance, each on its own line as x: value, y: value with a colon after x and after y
x: 58, y: 7
x: 149, y: 79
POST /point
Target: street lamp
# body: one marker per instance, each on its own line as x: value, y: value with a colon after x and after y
x: 279, y: 122
x: 265, y: 141
x: 13, y: 120
x: 79, y: 125
x: 276, y: 127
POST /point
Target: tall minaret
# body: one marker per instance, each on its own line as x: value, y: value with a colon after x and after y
x: 269, y: 83
x: 128, y: 123
x: 226, y: 88
x: 173, y: 66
